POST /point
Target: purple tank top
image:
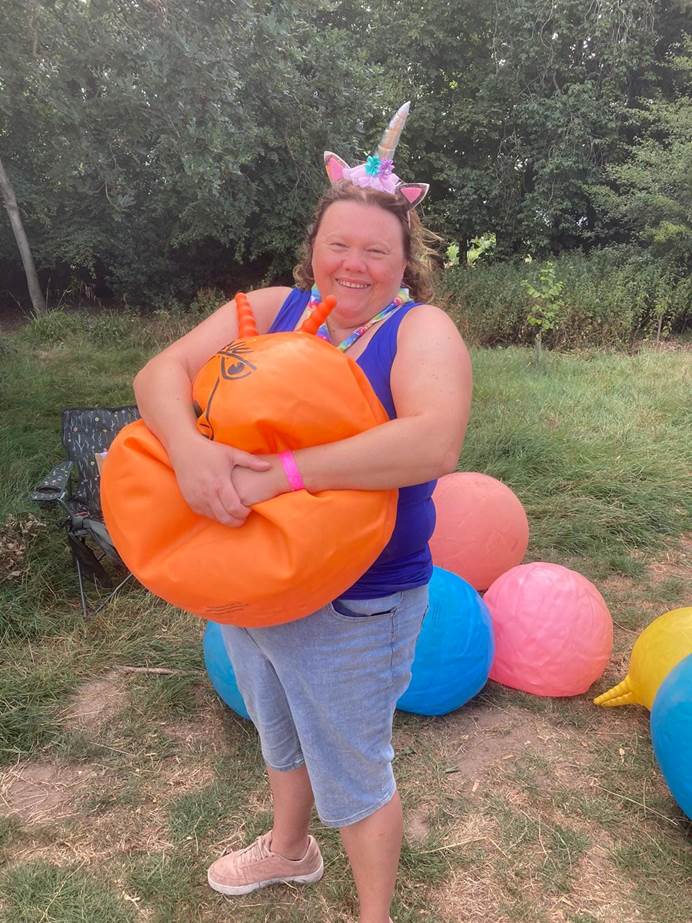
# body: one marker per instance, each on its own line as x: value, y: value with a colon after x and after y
x: 405, y: 562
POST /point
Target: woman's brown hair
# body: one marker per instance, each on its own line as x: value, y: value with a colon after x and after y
x: 418, y: 241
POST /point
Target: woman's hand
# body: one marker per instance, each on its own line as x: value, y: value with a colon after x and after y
x: 205, y: 473
x: 255, y: 486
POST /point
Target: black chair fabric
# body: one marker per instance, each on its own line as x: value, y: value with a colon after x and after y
x: 74, y: 486
x: 86, y: 431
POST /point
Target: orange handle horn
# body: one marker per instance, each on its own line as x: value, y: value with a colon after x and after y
x: 247, y: 325
x: 313, y: 323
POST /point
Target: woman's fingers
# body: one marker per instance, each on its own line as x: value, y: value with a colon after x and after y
x: 222, y: 510
x: 246, y: 460
x: 230, y: 504
x: 219, y: 512
x: 205, y: 480
x: 216, y: 499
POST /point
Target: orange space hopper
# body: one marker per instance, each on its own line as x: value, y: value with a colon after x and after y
x: 264, y: 394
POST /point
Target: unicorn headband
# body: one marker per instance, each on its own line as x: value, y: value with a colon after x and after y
x: 378, y: 170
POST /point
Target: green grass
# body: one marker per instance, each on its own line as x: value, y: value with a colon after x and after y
x: 38, y: 892
x: 9, y: 826
x: 595, y: 445
x: 167, y: 882
x: 195, y: 815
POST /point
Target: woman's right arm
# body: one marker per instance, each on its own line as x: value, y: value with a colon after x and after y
x: 163, y: 389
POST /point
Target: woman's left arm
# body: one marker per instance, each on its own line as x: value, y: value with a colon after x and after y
x: 431, y: 388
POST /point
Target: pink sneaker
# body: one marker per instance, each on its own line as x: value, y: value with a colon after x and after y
x: 255, y: 866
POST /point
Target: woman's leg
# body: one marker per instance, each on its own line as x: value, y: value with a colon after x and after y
x: 285, y: 854
x: 373, y: 846
x: 265, y: 700
x: 293, y: 801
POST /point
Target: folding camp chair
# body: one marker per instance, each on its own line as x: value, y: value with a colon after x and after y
x: 73, y: 486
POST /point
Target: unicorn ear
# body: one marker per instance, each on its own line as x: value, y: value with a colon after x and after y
x: 334, y: 166
x: 414, y: 193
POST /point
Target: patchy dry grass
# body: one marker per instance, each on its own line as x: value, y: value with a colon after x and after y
x: 518, y: 808
x: 119, y: 786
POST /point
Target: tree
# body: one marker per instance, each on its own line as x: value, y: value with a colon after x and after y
x: 524, y: 103
x: 649, y: 194
x: 153, y: 142
x: 156, y: 145
x: 10, y: 203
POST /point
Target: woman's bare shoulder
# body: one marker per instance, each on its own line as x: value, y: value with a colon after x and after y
x: 432, y: 372
x: 266, y: 303
x: 428, y: 319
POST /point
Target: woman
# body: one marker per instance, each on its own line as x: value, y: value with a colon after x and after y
x: 322, y: 690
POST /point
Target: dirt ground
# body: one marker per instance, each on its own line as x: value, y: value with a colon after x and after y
x: 523, y: 789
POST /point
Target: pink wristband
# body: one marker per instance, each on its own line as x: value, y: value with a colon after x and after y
x: 295, y: 480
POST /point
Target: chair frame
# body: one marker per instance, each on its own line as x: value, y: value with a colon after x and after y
x: 84, y: 527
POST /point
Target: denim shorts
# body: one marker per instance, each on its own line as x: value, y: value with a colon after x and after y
x: 322, y: 691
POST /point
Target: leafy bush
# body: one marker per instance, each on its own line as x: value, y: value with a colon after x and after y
x: 151, y: 145
x: 611, y: 296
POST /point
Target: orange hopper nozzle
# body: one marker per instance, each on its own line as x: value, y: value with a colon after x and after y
x: 247, y: 326
x: 319, y: 315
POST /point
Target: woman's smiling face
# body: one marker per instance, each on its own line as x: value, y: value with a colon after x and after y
x: 358, y: 256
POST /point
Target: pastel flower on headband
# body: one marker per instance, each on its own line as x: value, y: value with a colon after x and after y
x: 378, y: 170
x: 372, y: 165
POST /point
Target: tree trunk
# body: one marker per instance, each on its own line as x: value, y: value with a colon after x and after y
x: 7, y: 192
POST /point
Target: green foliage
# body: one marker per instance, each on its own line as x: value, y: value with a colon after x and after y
x: 607, y: 297
x: 205, y: 302
x: 479, y: 247
x: 649, y: 195
x: 520, y: 107
x: 452, y: 254
x: 53, y: 327
x: 546, y: 304
x: 156, y: 148
x: 150, y: 144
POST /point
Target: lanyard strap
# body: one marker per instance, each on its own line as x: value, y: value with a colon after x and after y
x: 402, y: 298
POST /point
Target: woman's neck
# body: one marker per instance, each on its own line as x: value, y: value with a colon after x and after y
x: 342, y: 324
x: 339, y: 332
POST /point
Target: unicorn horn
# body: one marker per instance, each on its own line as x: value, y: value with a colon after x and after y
x: 247, y: 326
x: 390, y: 138
x: 313, y: 323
